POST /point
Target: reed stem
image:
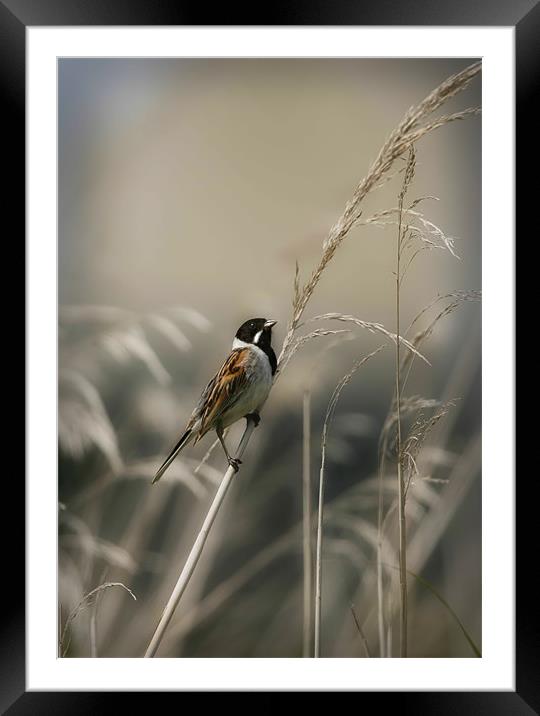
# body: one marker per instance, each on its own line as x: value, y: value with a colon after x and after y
x: 198, y: 545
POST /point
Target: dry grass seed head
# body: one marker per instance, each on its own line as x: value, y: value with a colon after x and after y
x: 85, y: 602
x: 83, y: 421
x: 399, y: 141
x: 414, y: 441
x: 371, y: 327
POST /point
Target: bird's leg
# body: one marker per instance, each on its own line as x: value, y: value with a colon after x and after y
x: 233, y: 461
x: 253, y: 416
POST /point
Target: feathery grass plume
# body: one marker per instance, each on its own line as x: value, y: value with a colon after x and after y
x: 409, y: 131
x: 296, y: 285
x: 299, y: 342
x: 126, y: 343
x: 429, y: 234
x: 88, y: 334
x: 86, y: 601
x: 410, y: 405
x: 192, y: 316
x: 371, y: 327
x: 415, y: 439
x: 456, y: 299
x: 121, y: 334
x: 318, y: 563
x: 83, y: 421
x: 170, y: 330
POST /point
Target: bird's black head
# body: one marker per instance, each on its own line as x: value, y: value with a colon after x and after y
x: 258, y: 331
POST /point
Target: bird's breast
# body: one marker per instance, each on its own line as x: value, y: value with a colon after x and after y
x: 259, y: 372
x: 259, y: 381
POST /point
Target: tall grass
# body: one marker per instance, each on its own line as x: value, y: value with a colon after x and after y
x: 320, y: 512
x: 126, y: 340
x: 402, y: 237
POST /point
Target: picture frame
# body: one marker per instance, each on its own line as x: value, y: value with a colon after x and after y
x: 15, y: 17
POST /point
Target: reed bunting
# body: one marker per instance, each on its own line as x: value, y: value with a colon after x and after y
x: 238, y: 390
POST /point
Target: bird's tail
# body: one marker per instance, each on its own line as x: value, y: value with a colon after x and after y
x: 174, y: 452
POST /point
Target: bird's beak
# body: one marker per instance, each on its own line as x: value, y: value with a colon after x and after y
x: 269, y: 324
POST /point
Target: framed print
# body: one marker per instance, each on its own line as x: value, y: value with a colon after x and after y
x: 308, y: 224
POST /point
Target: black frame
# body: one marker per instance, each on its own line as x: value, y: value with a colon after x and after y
x: 15, y: 16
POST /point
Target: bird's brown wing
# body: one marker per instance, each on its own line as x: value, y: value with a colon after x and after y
x: 224, y: 389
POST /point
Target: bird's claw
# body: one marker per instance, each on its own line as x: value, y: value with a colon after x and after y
x: 255, y: 417
x: 235, y: 463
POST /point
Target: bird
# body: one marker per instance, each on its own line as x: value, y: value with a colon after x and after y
x: 238, y: 390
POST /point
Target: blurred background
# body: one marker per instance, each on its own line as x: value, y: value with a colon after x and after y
x: 188, y: 189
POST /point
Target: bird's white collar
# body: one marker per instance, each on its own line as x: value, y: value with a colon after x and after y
x: 237, y: 343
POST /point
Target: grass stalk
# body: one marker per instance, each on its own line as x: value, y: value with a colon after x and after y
x: 306, y: 525
x: 59, y: 645
x: 409, y: 173
x: 424, y: 582
x: 401, y: 486
x: 360, y: 631
x: 318, y: 560
x: 380, y: 590
x: 93, y: 632
x: 198, y: 546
